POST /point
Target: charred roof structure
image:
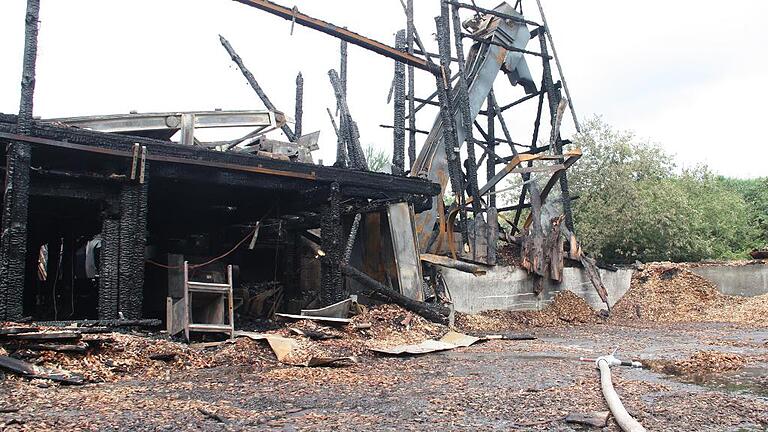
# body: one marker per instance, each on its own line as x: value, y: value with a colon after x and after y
x: 105, y: 217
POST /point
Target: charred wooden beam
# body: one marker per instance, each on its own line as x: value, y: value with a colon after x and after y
x: 254, y: 84
x: 150, y: 322
x: 463, y: 101
x: 132, y: 240
x: 398, y: 132
x: 331, y: 232
x: 410, y: 33
x: 170, y: 159
x: 434, y: 313
x: 347, y: 126
x: 556, y: 112
x: 490, y: 139
x: 109, y: 275
x: 299, y: 108
x: 330, y: 29
x: 13, y: 241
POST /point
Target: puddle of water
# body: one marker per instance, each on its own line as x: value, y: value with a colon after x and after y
x: 751, y: 380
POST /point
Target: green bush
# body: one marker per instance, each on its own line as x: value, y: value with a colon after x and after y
x: 633, y: 205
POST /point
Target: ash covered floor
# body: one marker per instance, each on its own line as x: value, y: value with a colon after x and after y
x: 494, y: 385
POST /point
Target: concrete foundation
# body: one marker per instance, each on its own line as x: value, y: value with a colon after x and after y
x: 745, y: 280
x: 511, y: 288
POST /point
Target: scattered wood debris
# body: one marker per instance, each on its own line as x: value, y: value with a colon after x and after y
x: 596, y: 419
x: 33, y: 371
x: 211, y: 415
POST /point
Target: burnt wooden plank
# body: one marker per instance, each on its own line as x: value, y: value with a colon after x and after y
x: 32, y: 371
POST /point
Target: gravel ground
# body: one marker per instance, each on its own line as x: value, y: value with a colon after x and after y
x: 495, y: 385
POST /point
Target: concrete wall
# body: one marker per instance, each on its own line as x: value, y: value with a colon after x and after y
x: 746, y: 280
x: 511, y: 288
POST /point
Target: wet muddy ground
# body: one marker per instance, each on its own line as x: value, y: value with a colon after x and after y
x: 495, y: 385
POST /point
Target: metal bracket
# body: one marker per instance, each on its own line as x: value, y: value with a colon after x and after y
x: 143, y: 165
x: 135, y: 160
x: 138, y: 162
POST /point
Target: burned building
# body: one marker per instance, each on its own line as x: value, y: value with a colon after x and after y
x: 148, y: 199
x: 106, y: 217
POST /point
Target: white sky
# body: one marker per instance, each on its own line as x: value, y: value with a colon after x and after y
x: 685, y: 73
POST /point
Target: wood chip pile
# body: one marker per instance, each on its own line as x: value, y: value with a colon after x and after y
x: 566, y: 309
x: 671, y: 293
x: 701, y: 363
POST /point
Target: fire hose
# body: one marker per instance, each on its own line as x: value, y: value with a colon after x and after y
x: 626, y: 422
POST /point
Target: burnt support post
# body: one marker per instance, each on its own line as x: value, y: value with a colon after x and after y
x: 299, y: 113
x: 398, y: 131
x: 348, y: 131
x: 133, y: 235
x: 121, y: 273
x: 466, y: 119
x: 491, y: 143
x: 409, y: 39
x: 331, y: 232
x: 343, y: 65
x: 13, y: 240
x: 109, y: 280
x: 553, y: 97
x: 450, y: 139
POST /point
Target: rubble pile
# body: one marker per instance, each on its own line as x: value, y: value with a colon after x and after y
x: 108, y: 357
x: 111, y: 356
x: 566, y: 309
x: 701, y: 363
x: 672, y: 293
x: 380, y: 326
x: 393, y: 325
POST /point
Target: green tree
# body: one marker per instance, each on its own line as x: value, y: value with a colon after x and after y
x: 633, y: 206
x: 755, y: 193
x: 378, y: 160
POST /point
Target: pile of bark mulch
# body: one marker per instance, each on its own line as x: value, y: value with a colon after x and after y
x: 672, y: 293
x: 701, y: 363
x: 566, y: 309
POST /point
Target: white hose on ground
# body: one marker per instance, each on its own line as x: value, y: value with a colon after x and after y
x: 625, y: 421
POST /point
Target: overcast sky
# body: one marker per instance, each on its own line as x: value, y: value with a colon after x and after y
x: 687, y: 74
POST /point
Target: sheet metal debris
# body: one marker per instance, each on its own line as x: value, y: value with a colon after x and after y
x: 315, y: 318
x: 290, y: 352
x: 450, y: 341
x: 336, y: 310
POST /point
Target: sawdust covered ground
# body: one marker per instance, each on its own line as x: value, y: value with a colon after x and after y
x: 495, y: 385
x: 701, y: 374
